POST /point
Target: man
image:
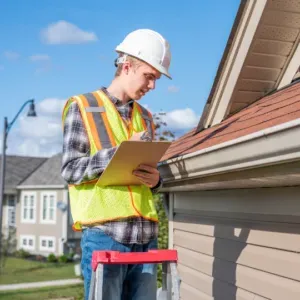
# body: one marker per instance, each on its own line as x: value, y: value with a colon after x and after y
x: 120, y: 218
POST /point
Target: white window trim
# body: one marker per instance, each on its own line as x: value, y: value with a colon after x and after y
x: 27, y: 247
x: 48, y: 193
x: 34, y: 207
x: 47, y: 238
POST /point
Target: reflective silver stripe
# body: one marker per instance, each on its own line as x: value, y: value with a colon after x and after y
x: 100, y: 125
x: 95, y: 109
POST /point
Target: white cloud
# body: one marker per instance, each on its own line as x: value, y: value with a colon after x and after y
x: 39, y: 57
x: 11, y: 55
x: 39, y: 136
x: 180, y: 119
x: 63, y: 32
x: 173, y: 89
x: 51, y: 106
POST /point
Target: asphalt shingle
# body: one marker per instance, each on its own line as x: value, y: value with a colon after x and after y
x: 18, y: 168
x: 47, y: 174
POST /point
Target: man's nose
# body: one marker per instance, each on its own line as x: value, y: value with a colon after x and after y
x: 151, y: 84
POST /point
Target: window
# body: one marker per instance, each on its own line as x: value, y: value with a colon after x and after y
x: 47, y: 243
x: 28, y: 207
x: 48, y: 207
x: 11, y: 211
x: 27, y: 242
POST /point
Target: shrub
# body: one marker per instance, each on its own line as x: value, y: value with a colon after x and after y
x: 22, y: 253
x: 162, y: 234
x: 70, y: 256
x: 63, y: 259
x: 51, y: 258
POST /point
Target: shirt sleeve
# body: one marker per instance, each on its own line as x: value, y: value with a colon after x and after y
x: 77, y: 164
x: 158, y: 187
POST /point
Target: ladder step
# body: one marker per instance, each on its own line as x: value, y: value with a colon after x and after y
x: 116, y: 257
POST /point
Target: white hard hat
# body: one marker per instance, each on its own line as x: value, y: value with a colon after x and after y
x: 149, y: 46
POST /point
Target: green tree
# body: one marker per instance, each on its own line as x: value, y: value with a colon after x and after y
x: 162, y: 133
x: 163, y: 232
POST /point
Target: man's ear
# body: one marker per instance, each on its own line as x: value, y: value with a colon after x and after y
x: 126, y: 67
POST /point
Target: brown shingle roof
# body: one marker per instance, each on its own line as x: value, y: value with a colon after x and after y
x: 275, y: 109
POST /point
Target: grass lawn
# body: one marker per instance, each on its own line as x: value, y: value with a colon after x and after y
x: 18, y: 270
x: 74, y: 292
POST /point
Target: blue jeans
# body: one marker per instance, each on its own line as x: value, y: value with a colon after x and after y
x: 120, y: 282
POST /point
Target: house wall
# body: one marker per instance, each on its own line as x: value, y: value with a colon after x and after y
x: 237, y: 244
x: 37, y: 229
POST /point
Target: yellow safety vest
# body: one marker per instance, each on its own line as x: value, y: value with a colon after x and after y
x: 91, y: 203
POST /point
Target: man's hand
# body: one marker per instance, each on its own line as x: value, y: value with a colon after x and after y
x: 141, y: 136
x: 147, y: 175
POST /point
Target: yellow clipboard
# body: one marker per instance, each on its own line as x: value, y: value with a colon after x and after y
x: 129, y: 155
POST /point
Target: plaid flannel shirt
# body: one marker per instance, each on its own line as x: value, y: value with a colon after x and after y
x: 78, y: 166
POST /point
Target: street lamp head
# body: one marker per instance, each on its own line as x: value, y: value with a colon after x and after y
x: 31, y: 112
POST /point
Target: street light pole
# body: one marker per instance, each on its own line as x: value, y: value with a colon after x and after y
x: 7, y: 126
x: 2, y: 175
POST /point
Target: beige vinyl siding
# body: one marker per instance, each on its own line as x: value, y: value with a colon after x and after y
x: 238, y: 244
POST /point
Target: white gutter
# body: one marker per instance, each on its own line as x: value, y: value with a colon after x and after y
x: 36, y: 187
x: 280, y: 143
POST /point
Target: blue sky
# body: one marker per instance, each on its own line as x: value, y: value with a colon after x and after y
x: 51, y: 50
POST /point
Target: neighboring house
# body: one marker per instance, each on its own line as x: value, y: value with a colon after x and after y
x: 233, y: 182
x: 44, y: 223
x: 18, y: 168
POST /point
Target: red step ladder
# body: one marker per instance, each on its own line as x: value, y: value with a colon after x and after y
x: 168, y: 259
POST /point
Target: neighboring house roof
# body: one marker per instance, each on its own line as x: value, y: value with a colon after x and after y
x: 262, y: 55
x: 48, y: 174
x: 18, y: 168
x: 275, y: 109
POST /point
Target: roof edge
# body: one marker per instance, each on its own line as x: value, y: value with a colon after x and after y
x: 249, y: 151
x: 40, y: 187
x: 236, y: 23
